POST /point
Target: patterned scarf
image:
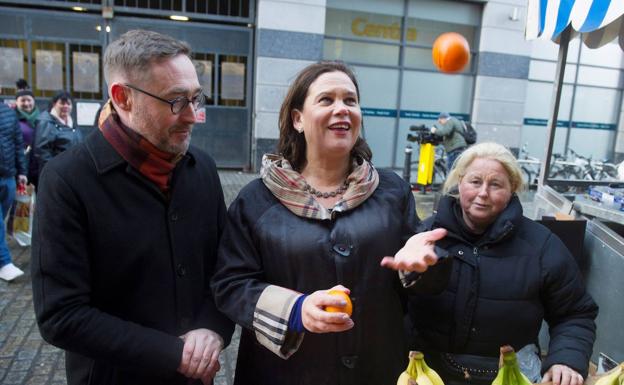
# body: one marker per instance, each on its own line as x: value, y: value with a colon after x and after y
x: 288, y: 186
x: 154, y: 164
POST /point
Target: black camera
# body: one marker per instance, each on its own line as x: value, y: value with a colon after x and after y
x: 423, y: 135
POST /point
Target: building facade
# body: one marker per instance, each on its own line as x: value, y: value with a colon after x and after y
x: 247, y: 53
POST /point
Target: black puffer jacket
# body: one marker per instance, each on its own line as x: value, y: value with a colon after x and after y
x: 12, y: 161
x: 499, y: 289
x: 53, y: 137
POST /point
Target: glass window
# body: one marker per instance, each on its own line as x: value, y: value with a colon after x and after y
x: 547, y: 50
x: 421, y: 58
x: 609, y: 55
x: 378, y: 91
x: 387, y: 7
x: 598, y: 105
x: 204, y: 64
x: 455, y: 12
x: 546, y: 71
x: 604, y: 77
x: 379, y: 134
x: 361, y: 52
x: 426, y: 91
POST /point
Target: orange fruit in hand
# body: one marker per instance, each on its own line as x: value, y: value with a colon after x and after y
x: 450, y: 52
x: 348, y: 308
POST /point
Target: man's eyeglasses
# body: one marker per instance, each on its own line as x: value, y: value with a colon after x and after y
x: 178, y: 104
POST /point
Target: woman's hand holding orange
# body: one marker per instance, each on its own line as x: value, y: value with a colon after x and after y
x: 417, y: 254
x: 318, y: 320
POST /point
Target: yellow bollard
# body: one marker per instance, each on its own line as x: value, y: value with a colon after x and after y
x: 425, y: 164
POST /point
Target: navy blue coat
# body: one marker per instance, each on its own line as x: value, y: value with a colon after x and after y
x: 500, y: 287
x: 12, y: 160
x: 119, y: 271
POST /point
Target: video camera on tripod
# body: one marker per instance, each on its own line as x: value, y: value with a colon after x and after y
x: 423, y: 135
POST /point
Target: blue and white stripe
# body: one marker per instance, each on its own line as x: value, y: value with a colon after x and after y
x: 600, y: 21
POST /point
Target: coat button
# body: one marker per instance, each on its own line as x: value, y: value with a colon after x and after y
x: 174, y: 216
x: 342, y: 249
x: 349, y: 361
x: 181, y: 270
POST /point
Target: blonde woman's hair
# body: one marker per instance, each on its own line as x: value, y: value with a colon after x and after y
x: 486, y: 150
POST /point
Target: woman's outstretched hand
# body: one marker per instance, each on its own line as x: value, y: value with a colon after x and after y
x: 417, y: 254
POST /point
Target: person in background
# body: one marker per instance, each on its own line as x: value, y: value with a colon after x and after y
x: 27, y: 114
x: 508, y: 273
x: 12, y: 166
x: 321, y: 217
x: 127, y: 227
x: 450, y: 129
x: 55, y: 130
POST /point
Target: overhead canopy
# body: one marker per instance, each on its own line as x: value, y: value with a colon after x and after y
x: 600, y: 21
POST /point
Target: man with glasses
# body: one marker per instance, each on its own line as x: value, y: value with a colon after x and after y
x: 127, y: 227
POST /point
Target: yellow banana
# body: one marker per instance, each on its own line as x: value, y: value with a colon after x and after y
x: 621, y: 377
x: 509, y: 372
x: 611, y: 377
x: 418, y: 372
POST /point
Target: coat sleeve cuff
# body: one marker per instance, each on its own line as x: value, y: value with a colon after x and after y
x: 270, y: 322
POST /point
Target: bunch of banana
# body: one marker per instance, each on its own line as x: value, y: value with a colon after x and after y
x: 418, y: 373
x: 509, y: 372
x: 613, y: 377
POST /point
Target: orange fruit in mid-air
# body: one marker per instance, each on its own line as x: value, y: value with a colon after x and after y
x: 450, y: 52
x: 348, y: 308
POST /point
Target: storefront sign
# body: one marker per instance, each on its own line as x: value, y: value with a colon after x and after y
x: 361, y: 27
x: 200, y: 115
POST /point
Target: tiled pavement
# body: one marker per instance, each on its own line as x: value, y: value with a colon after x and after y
x: 26, y: 359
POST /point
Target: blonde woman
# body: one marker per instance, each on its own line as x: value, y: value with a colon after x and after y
x: 507, y: 273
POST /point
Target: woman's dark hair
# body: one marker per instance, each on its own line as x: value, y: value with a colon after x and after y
x: 292, y: 144
x: 62, y: 96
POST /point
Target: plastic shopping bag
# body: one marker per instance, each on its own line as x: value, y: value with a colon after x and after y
x: 23, y: 217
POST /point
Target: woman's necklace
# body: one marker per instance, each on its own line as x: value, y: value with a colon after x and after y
x: 328, y: 194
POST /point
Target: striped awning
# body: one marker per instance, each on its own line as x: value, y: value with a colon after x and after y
x: 600, y: 21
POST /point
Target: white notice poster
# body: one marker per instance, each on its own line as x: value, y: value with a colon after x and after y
x: 49, y: 70
x: 86, y: 71
x: 85, y: 113
x: 233, y: 81
x: 11, y: 66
